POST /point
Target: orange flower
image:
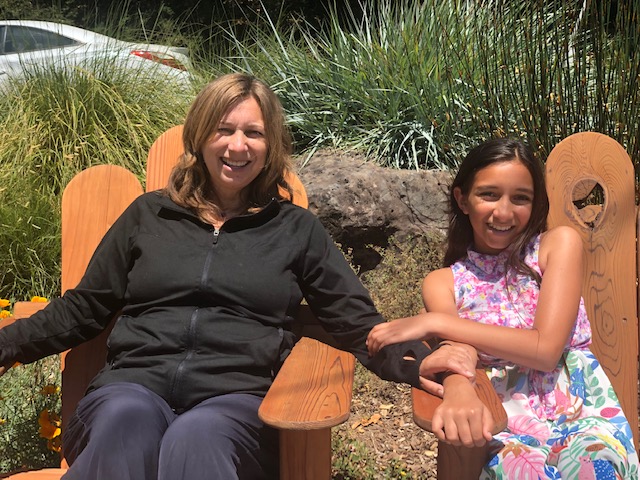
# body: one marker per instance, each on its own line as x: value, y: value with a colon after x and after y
x: 5, y: 313
x: 39, y: 299
x: 55, y: 444
x: 49, y: 425
x: 4, y: 302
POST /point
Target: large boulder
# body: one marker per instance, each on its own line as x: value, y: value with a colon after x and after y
x: 362, y: 204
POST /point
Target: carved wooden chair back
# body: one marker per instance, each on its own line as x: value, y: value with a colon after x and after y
x: 591, y: 185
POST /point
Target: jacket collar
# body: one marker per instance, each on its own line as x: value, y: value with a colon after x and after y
x: 270, y: 211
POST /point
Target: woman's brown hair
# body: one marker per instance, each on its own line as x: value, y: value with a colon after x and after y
x: 189, y: 184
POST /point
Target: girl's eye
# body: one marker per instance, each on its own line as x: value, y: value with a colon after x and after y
x: 522, y: 199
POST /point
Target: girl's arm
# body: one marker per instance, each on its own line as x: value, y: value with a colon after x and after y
x: 462, y: 418
x: 540, y: 348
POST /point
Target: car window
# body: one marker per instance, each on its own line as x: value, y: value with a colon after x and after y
x: 27, y: 39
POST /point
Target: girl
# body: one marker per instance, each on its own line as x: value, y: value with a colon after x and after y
x: 512, y: 290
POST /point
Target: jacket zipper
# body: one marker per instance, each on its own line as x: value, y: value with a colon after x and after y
x: 191, y: 343
x: 191, y: 334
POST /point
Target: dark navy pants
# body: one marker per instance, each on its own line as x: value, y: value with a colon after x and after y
x: 124, y: 431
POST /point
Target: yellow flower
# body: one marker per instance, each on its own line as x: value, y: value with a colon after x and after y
x: 49, y: 425
x: 39, y: 299
x: 4, y: 302
x: 2, y: 421
x: 49, y: 390
x: 5, y: 313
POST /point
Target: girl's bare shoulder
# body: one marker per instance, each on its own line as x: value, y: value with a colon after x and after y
x: 439, y: 280
x: 561, y: 242
x: 560, y: 237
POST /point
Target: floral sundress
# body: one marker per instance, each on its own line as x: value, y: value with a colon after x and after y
x: 564, y: 424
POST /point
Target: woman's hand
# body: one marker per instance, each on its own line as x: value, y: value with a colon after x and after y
x: 397, y: 331
x: 451, y: 357
x: 462, y: 419
x: 3, y: 370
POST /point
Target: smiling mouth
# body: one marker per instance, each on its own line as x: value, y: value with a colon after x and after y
x: 498, y: 228
x: 232, y: 164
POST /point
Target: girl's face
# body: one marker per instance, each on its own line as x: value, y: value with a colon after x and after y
x: 498, y: 205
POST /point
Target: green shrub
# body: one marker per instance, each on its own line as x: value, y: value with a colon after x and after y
x: 53, y: 124
x: 27, y: 391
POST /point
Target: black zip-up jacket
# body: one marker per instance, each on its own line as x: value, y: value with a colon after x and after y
x: 206, y: 312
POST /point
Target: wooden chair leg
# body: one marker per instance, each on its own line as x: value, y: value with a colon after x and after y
x: 459, y: 463
x: 305, y: 454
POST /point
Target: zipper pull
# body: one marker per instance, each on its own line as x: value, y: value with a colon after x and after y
x: 216, y: 234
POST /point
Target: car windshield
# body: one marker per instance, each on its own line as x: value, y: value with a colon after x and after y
x: 19, y: 39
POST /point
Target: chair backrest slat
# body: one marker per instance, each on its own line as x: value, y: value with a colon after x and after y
x: 91, y: 203
x: 608, y: 226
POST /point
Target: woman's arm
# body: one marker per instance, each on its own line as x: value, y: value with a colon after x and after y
x: 540, y: 348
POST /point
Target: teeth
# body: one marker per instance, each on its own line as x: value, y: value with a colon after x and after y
x: 500, y: 229
x: 235, y: 164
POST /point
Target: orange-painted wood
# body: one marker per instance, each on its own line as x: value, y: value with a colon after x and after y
x: 91, y: 203
x: 166, y: 151
x: 44, y: 474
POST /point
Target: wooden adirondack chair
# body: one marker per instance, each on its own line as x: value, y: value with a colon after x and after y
x: 591, y: 186
x: 311, y: 393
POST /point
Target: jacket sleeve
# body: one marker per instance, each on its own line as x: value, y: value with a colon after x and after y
x: 345, y: 309
x: 83, y: 312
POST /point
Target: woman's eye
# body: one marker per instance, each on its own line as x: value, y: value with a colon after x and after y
x: 255, y: 134
x: 224, y: 131
x: 488, y: 195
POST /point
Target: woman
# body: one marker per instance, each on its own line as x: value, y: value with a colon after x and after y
x: 208, y: 274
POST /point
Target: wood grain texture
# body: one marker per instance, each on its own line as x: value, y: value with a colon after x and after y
x: 305, y: 454
x: 608, y: 231
x: 576, y: 166
x: 424, y: 404
x: 312, y: 390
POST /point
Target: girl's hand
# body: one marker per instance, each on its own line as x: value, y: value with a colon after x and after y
x: 397, y: 331
x: 451, y: 357
x: 462, y: 419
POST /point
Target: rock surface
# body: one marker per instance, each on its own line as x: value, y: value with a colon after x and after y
x: 363, y: 204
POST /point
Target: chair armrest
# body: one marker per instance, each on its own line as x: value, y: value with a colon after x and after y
x: 312, y: 390
x: 26, y: 309
x: 22, y: 310
x: 424, y: 404
x: 6, y: 321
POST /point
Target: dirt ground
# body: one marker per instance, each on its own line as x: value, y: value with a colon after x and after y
x: 381, y: 419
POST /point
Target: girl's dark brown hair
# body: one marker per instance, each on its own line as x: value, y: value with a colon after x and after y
x: 189, y: 184
x: 497, y: 150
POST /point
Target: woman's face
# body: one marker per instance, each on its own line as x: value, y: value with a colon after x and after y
x: 498, y: 205
x: 237, y: 151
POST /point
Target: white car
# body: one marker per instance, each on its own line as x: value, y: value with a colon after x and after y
x: 25, y: 43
